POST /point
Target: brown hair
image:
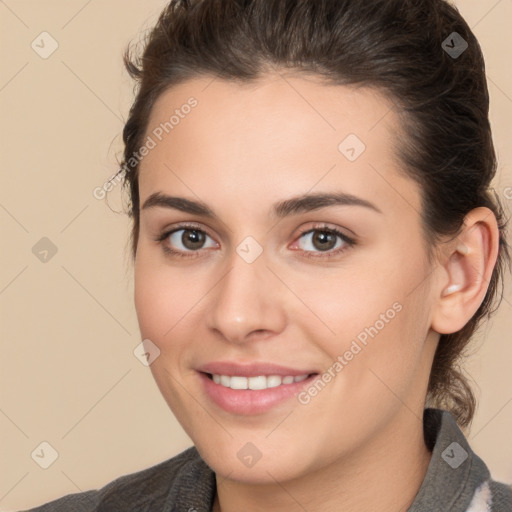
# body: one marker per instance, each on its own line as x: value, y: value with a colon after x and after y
x: 393, y: 45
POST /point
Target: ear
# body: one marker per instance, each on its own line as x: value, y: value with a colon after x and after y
x: 465, y: 272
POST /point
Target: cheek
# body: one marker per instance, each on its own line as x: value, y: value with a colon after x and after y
x: 348, y: 302
x: 375, y: 318
x: 162, y: 301
x: 162, y: 298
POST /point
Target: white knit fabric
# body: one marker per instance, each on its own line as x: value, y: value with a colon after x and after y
x: 482, y: 499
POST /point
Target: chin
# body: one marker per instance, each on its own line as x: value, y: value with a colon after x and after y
x: 228, y: 462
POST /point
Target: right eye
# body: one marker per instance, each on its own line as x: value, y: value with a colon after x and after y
x: 187, y: 238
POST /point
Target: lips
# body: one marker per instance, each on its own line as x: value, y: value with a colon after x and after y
x: 248, y: 402
x: 253, y: 369
x: 239, y: 388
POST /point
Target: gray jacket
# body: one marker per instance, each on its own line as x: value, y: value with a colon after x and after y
x: 457, y: 480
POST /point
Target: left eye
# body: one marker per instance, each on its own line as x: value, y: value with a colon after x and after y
x: 324, y: 239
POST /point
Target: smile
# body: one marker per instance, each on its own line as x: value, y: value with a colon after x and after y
x: 252, y: 395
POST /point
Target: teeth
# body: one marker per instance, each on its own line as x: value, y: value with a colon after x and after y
x: 256, y: 383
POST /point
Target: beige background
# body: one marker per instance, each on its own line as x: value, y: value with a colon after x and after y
x: 68, y: 373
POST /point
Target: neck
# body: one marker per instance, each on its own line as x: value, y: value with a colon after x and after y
x: 385, y: 475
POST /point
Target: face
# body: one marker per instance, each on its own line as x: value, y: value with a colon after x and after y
x: 321, y: 306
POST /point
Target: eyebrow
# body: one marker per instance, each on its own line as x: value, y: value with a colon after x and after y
x: 293, y: 206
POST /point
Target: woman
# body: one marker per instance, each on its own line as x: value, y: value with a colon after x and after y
x: 315, y: 242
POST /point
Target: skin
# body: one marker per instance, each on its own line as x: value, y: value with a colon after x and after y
x: 244, y: 147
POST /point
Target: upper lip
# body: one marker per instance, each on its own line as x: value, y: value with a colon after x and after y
x: 250, y: 370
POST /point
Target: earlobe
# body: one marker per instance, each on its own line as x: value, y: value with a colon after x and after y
x: 466, y: 272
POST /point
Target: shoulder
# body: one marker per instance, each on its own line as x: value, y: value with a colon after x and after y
x: 491, y: 496
x: 157, y: 486
x: 501, y: 496
x: 457, y: 478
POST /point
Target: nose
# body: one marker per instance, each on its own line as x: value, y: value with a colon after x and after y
x: 248, y: 302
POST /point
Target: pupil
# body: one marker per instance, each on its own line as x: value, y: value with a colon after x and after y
x: 323, y: 237
x: 193, y: 240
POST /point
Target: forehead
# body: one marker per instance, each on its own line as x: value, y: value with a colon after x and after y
x: 277, y: 136
x: 299, y: 103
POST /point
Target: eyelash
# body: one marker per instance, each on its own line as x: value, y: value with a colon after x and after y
x: 348, y: 242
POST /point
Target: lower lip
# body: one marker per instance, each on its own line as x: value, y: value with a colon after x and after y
x: 249, y: 401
